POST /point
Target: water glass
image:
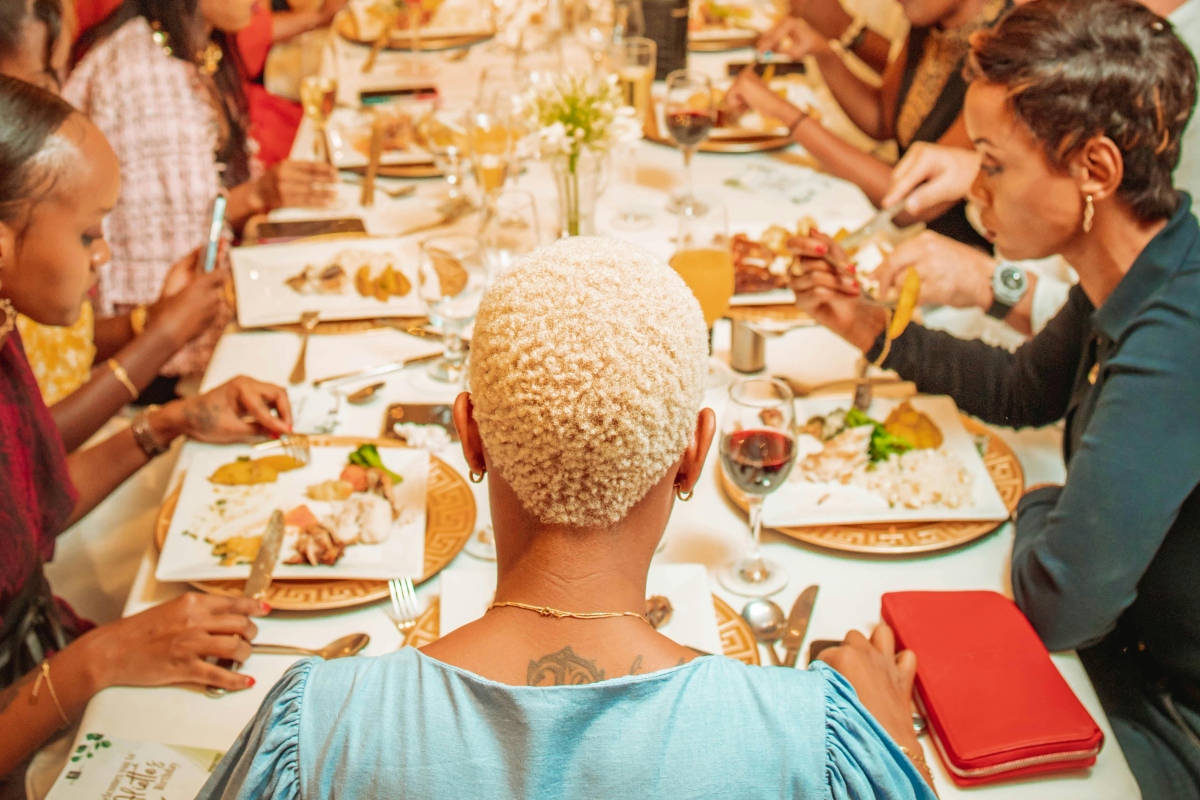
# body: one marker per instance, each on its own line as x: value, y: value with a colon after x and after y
x: 451, y: 279
x: 510, y: 230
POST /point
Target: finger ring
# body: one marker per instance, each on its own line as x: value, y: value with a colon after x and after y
x: 796, y: 269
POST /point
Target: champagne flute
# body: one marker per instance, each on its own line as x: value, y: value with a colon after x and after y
x: 490, y: 138
x: 691, y: 113
x: 634, y: 60
x: 318, y: 95
x: 511, y: 229
x: 758, y: 450
x: 444, y: 134
x: 451, y: 278
x: 705, y: 262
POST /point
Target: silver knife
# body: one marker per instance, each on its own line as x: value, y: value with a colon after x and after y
x: 260, y: 578
x: 371, y: 372
x: 871, y: 227
x: 797, y: 624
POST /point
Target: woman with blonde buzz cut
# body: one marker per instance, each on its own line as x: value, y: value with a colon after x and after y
x: 588, y: 365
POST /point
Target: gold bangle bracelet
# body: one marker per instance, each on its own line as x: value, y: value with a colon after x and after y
x: 137, y: 320
x: 123, y: 377
x: 44, y: 675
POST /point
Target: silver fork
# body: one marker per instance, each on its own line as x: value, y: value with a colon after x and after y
x: 295, y: 445
x: 405, y: 608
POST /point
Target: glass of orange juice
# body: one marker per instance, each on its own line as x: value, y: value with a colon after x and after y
x: 705, y: 262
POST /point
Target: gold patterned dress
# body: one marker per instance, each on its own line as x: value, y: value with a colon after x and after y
x: 61, y: 358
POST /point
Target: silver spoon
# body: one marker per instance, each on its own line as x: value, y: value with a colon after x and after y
x: 364, y: 395
x: 339, y: 648
x: 767, y: 623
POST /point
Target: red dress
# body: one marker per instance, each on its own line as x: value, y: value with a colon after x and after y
x: 273, y: 120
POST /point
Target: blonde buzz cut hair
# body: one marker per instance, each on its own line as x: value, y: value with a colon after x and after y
x: 588, y: 368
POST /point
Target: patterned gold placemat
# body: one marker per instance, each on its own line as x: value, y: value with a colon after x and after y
x: 775, y: 314
x: 906, y: 538
x: 401, y: 40
x: 340, y: 327
x: 449, y: 522
x: 737, y: 641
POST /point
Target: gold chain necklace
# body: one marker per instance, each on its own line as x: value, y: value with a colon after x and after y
x: 546, y: 611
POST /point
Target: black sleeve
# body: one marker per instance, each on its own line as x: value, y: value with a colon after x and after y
x: 1028, y: 387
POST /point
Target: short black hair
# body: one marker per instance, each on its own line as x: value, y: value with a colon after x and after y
x: 1076, y: 69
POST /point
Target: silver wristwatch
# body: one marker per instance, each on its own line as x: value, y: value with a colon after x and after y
x: 1009, y: 284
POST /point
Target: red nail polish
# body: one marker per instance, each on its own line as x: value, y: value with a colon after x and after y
x: 249, y: 682
x: 821, y: 249
x: 265, y: 607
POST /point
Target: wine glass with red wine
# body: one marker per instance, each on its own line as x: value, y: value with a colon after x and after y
x: 690, y: 113
x: 758, y: 449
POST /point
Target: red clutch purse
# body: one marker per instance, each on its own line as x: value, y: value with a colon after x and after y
x: 996, y: 705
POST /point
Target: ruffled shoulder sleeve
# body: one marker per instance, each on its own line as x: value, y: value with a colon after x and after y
x: 862, y: 762
x: 264, y: 762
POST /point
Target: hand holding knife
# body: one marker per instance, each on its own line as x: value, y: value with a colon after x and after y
x: 260, y: 578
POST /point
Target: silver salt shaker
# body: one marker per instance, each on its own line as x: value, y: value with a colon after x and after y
x: 747, y: 351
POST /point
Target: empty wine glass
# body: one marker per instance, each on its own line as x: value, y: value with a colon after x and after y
x: 595, y: 23
x: 690, y: 113
x: 511, y: 229
x: 444, y: 134
x: 451, y: 278
x: 758, y: 449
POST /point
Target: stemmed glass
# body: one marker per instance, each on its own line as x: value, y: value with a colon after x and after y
x: 595, y: 24
x: 444, y: 134
x: 758, y: 449
x: 451, y: 278
x: 691, y: 113
x: 633, y: 60
x: 705, y: 262
x: 490, y: 136
x: 318, y: 95
x: 510, y: 230
x: 629, y: 20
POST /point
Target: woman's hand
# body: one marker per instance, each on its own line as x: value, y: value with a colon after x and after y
x: 831, y: 298
x: 932, y: 175
x: 795, y: 38
x: 882, y: 678
x: 235, y: 412
x: 952, y: 273
x: 168, y: 644
x: 190, y: 302
x: 750, y: 91
x: 296, y: 184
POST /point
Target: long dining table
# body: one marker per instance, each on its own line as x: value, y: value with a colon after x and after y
x: 708, y: 530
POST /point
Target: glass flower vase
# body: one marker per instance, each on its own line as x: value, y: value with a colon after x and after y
x: 580, y: 179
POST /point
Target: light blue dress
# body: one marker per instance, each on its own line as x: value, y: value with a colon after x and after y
x: 405, y: 725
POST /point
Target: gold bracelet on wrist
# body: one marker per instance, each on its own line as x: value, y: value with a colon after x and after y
x: 144, y: 437
x: 120, y: 374
x: 803, y: 115
x: 137, y: 320
x: 855, y: 32
x: 44, y: 676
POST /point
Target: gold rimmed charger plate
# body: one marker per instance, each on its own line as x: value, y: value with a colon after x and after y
x: 735, y: 41
x: 737, y: 641
x: 751, y: 143
x: 341, y: 327
x: 907, y: 538
x: 449, y: 523
x: 781, y: 314
x: 401, y: 40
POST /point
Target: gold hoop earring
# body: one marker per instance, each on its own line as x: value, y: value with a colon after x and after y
x: 1089, y: 213
x: 683, y: 496
x: 471, y: 475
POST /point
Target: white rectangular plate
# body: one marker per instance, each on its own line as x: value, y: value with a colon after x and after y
x: 264, y: 299
x: 347, y: 126
x: 466, y: 594
x: 795, y: 504
x: 187, y: 556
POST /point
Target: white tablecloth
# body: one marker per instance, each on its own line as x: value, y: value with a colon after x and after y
x: 706, y: 530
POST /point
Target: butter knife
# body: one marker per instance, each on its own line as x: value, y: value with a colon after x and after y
x: 797, y: 624
x: 372, y: 372
x: 260, y: 578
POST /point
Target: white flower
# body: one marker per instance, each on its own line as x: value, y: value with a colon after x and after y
x: 574, y: 112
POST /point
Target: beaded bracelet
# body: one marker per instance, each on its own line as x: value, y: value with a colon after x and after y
x: 918, y: 760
